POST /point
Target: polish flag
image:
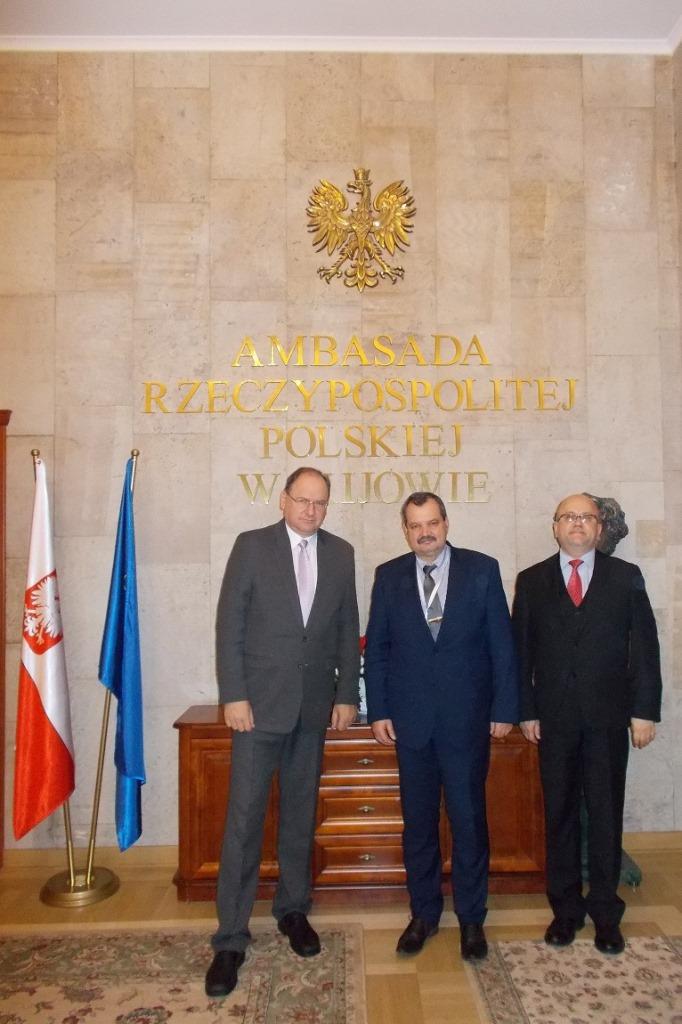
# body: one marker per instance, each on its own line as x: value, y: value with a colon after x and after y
x: 43, y: 762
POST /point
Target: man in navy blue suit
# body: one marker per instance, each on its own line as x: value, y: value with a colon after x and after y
x: 441, y: 679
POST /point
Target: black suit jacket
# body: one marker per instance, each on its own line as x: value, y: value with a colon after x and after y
x: 264, y: 653
x: 597, y: 665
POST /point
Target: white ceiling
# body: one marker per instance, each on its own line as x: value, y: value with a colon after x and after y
x: 640, y: 26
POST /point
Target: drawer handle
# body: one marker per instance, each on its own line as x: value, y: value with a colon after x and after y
x: 366, y: 856
x: 366, y: 760
x: 366, y: 809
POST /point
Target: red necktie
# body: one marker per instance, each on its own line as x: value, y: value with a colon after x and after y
x: 574, y: 585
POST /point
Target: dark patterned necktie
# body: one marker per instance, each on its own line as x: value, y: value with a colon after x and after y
x: 434, y: 609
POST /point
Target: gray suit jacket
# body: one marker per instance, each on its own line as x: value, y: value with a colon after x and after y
x: 264, y: 653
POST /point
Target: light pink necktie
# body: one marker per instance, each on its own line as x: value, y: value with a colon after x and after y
x: 306, y: 583
x: 575, y: 585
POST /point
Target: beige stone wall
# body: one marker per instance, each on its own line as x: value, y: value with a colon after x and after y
x: 152, y: 214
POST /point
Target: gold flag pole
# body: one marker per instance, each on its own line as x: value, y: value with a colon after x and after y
x: 94, y: 884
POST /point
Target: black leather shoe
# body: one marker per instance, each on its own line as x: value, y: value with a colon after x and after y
x: 609, y: 939
x: 472, y: 942
x: 302, y: 938
x: 415, y: 935
x: 221, y: 977
x: 561, y: 931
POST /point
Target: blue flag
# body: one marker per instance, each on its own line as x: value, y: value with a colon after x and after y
x: 119, y: 670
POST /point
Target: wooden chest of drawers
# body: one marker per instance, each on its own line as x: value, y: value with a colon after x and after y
x: 358, y: 850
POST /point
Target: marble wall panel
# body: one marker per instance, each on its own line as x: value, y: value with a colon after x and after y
x: 618, y: 81
x: 172, y: 499
x: 621, y: 303
x: 160, y: 794
x: 84, y: 570
x: 548, y: 336
x: 323, y: 94
x: 548, y: 239
x: 619, y: 169
x: 27, y: 156
x: 166, y: 352
x: 174, y: 605
x: 397, y: 89
x: 171, y: 261
x: 95, y: 101
x: 472, y: 126
x: 28, y: 93
x: 94, y: 220
x: 545, y: 119
x: 92, y: 445
x: 473, y: 262
x: 27, y: 237
x: 94, y: 348
x: 248, y: 241
x: 624, y: 405
x: 172, y: 70
x: 15, y: 587
x: 248, y: 119
x: 27, y: 340
x: 171, y: 145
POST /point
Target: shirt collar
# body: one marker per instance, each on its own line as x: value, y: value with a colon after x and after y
x: 440, y: 563
x: 296, y: 538
x: 587, y: 559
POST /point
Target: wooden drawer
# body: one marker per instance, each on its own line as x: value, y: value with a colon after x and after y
x: 347, y: 811
x: 358, y: 860
x: 357, y: 761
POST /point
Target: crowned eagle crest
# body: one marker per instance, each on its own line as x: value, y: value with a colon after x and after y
x: 363, y: 233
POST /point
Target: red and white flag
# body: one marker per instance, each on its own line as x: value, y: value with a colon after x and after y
x: 43, y: 763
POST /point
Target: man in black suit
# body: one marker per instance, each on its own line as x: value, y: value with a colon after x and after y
x: 590, y: 669
x: 287, y: 660
x: 442, y: 678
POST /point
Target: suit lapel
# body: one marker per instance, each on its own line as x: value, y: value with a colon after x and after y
x: 285, y: 564
x: 325, y: 576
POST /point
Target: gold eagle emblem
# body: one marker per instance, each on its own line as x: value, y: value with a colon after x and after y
x: 363, y: 233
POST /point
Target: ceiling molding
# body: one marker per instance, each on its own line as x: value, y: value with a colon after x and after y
x: 342, y: 44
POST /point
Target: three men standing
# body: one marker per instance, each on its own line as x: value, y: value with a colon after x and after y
x: 287, y: 660
x: 441, y: 678
x: 590, y: 670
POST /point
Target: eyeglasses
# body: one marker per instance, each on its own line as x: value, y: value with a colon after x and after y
x: 317, y: 503
x: 577, y: 517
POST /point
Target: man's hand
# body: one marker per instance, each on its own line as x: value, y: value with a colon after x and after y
x: 531, y: 730
x: 642, y: 732
x: 500, y: 729
x: 343, y: 715
x: 238, y: 715
x: 383, y: 731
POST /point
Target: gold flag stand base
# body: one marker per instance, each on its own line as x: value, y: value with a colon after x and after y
x: 59, y: 892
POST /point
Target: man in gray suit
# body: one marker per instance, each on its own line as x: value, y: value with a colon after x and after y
x: 287, y: 660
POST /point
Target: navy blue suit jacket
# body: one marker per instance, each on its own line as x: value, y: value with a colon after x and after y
x: 465, y: 679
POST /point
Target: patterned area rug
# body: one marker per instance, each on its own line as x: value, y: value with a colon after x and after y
x: 529, y: 983
x: 157, y: 976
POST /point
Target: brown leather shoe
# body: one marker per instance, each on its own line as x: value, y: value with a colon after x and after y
x: 221, y: 977
x: 303, y: 939
x: 415, y: 935
x: 472, y: 942
x: 609, y: 939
